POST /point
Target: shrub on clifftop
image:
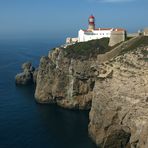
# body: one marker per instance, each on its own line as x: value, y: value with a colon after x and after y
x: 88, y: 49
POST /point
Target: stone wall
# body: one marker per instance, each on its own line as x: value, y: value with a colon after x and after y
x: 145, y: 32
x: 117, y: 37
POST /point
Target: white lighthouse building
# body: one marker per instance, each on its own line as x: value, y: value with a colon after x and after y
x: 93, y: 33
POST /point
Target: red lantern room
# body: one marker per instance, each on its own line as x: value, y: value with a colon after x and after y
x: 91, y: 22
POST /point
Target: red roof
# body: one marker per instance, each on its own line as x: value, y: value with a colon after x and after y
x: 92, y: 16
x: 119, y: 29
x: 101, y: 29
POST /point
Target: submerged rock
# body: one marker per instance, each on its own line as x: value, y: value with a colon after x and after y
x: 28, y: 75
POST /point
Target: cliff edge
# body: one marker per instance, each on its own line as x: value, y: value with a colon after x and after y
x: 113, y: 83
x: 119, y: 112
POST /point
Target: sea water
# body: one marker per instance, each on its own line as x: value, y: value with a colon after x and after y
x: 25, y: 123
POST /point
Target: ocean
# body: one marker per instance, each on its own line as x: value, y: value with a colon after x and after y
x: 23, y: 122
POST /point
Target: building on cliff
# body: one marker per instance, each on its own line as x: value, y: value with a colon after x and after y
x: 116, y: 35
x: 145, y: 32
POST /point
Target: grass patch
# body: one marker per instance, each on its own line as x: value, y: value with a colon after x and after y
x: 87, y: 49
x: 145, y: 59
x: 145, y: 53
x: 128, y: 38
x: 143, y: 41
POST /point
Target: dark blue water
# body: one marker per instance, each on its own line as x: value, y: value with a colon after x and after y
x: 23, y: 122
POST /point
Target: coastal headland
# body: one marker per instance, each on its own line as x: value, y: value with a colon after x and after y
x: 111, y: 82
x: 104, y: 70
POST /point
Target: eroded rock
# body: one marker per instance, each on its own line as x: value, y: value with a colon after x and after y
x: 65, y: 81
x: 28, y: 75
x: 119, y: 113
x: 116, y: 91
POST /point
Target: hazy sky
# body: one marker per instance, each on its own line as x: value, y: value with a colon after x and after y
x: 65, y: 17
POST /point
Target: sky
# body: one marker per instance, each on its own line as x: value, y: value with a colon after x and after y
x: 61, y: 18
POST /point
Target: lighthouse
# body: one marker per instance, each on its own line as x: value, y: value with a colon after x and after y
x: 93, y: 33
x: 91, y: 22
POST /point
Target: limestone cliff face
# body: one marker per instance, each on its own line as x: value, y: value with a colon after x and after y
x: 65, y: 81
x: 116, y: 91
x: 119, y: 113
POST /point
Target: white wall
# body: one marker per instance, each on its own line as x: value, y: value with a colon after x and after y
x: 95, y: 34
x: 81, y: 36
x: 103, y: 33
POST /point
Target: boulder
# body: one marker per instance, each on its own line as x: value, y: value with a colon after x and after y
x: 28, y: 76
x: 24, y: 78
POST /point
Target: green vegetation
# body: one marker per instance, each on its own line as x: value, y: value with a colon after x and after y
x: 88, y: 49
x: 128, y: 38
x: 145, y: 53
x: 145, y: 59
x: 143, y: 41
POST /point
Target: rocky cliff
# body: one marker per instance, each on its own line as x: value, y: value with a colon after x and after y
x: 67, y: 76
x: 119, y: 112
x: 65, y: 81
x: 113, y: 84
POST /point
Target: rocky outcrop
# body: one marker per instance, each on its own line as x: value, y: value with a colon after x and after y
x: 117, y: 90
x: 65, y: 81
x: 67, y: 76
x: 119, y: 113
x: 28, y: 75
x: 113, y: 85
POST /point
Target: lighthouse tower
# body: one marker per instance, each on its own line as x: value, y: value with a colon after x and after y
x: 91, y: 22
